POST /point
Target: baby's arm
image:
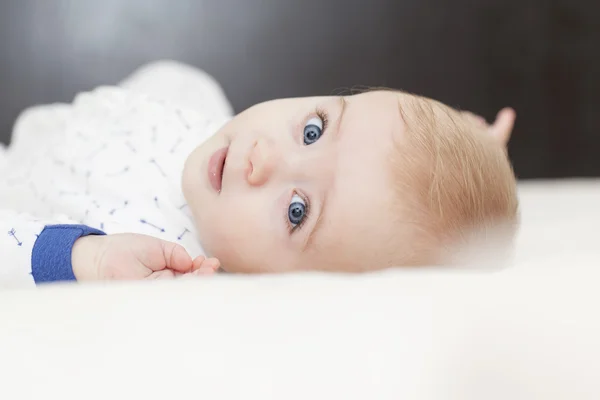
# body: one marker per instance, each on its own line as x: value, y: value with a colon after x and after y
x: 35, y: 251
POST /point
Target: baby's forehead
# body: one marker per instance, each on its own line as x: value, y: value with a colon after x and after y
x: 380, y: 103
x: 395, y: 106
x: 406, y: 102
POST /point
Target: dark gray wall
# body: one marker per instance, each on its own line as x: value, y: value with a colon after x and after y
x: 540, y: 56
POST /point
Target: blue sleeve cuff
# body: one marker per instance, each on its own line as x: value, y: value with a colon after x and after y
x: 51, y: 255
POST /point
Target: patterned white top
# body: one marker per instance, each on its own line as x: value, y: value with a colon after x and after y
x: 112, y: 160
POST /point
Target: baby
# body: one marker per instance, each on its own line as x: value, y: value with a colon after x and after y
x: 148, y: 179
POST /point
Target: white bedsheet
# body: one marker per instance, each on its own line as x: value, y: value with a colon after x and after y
x: 529, y: 332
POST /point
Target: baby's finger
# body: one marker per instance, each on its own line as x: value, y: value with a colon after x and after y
x: 198, y: 262
x: 157, y: 254
x: 203, y: 262
x: 209, y: 266
x: 176, y: 257
x: 212, y: 263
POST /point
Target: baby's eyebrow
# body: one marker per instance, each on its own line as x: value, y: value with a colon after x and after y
x: 318, y: 224
x: 338, y: 125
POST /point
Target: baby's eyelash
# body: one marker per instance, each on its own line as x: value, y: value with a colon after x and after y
x: 292, y: 228
x: 321, y: 113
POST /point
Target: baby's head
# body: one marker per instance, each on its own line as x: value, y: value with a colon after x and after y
x: 354, y: 183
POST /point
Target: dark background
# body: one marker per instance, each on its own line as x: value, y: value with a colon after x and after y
x: 541, y: 57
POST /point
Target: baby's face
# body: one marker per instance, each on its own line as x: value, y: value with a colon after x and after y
x: 297, y: 184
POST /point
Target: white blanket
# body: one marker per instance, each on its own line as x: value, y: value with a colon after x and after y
x: 529, y: 332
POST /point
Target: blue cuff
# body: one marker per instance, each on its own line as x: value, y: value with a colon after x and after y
x: 51, y: 255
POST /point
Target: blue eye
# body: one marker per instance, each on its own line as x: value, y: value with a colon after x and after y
x: 313, y: 130
x: 296, y: 210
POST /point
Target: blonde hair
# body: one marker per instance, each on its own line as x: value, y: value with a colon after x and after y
x: 453, y: 180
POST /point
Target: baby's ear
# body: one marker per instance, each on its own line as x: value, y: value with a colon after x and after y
x: 502, y: 127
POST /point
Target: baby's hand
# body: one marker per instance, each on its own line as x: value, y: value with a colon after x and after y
x: 128, y: 257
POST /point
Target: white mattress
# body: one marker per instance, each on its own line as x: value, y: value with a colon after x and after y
x: 531, y: 331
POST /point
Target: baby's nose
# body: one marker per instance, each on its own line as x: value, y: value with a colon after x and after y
x: 263, y: 159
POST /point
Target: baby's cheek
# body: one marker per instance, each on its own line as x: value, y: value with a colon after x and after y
x: 229, y: 238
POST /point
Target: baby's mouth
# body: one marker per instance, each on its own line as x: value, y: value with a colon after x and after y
x: 216, y: 167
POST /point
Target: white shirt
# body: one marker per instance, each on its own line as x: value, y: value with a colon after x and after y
x: 112, y: 160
